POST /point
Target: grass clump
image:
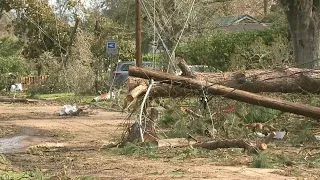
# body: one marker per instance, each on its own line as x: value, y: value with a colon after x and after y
x: 261, y: 161
x: 147, y: 149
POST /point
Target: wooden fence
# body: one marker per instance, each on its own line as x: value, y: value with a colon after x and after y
x: 31, y: 80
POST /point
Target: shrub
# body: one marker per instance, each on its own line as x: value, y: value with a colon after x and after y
x: 217, y: 50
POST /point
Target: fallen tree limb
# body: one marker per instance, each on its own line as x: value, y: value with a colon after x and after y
x: 231, y: 93
x: 18, y: 100
x: 212, y: 145
x: 290, y: 80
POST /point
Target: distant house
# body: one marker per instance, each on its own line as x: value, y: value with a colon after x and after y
x: 236, y: 23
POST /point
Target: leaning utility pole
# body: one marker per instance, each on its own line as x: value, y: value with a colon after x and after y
x: 138, y: 34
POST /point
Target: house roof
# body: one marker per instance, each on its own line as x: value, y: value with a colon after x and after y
x: 228, y: 20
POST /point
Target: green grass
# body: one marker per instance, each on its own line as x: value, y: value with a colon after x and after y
x: 262, y: 161
x: 64, y: 97
x: 37, y: 175
x: 21, y: 175
x: 53, y: 96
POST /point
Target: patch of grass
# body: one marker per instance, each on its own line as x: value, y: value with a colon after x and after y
x: 86, y: 178
x: 305, y: 135
x: 21, y: 175
x: 176, y: 173
x: 261, y: 161
x: 169, y: 118
x: 129, y: 149
x: 146, y: 149
x: 70, y: 98
x: 3, y: 160
x: 52, y: 96
x: 179, y: 130
x: 259, y: 114
x: 154, y: 173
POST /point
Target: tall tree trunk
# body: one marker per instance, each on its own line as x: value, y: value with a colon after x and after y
x: 265, y: 7
x: 303, y: 17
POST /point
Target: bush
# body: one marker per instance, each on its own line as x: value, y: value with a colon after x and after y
x: 260, y: 55
x: 10, y: 59
x: 217, y: 50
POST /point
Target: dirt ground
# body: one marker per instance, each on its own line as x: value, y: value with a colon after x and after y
x: 41, y: 125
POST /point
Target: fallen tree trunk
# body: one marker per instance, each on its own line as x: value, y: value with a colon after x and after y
x: 291, y: 80
x: 18, y: 100
x: 231, y: 93
x: 219, y: 144
x: 212, y: 145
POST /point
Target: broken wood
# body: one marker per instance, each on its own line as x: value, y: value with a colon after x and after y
x: 136, y: 92
x: 264, y: 144
x: 175, y: 142
x: 290, y: 80
x: 231, y: 93
x: 186, y: 71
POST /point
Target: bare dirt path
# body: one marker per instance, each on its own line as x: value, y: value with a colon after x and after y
x: 42, y: 125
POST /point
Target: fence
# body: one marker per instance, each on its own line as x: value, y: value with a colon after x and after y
x: 31, y: 80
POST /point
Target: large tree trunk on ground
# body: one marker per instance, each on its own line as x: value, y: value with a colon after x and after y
x: 291, y: 80
x: 303, y: 17
x: 18, y: 100
x: 231, y: 93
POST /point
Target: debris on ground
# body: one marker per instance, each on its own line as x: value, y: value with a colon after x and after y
x: 73, y: 110
x: 279, y: 134
x: 68, y: 110
x: 103, y: 97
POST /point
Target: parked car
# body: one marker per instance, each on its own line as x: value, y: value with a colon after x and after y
x: 119, y: 73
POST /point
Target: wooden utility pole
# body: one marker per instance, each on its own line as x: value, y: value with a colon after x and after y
x: 265, y: 7
x: 138, y: 34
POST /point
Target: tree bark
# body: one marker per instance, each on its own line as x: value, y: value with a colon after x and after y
x: 71, y: 40
x: 291, y: 80
x: 303, y: 18
x: 231, y: 93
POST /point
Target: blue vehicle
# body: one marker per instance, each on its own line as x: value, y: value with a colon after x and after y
x: 119, y: 73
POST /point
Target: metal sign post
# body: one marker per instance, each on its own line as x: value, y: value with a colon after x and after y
x: 111, y: 51
x: 111, y: 48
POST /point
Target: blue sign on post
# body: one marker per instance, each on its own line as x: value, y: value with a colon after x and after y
x: 111, y: 47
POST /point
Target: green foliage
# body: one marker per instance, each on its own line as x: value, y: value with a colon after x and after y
x: 259, y: 55
x: 256, y: 113
x: 217, y: 50
x: 10, y: 46
x: 305, y: 134
x: 10, y: 59
x: 261, y: 161
x: 38, y: 26
x: 146, y: 148
x: 276, y: 17
x: 169, y: 118
x: 13, y: 65
x: 18, y: 175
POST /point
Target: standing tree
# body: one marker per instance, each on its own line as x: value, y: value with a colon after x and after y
x: 303, y: 18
